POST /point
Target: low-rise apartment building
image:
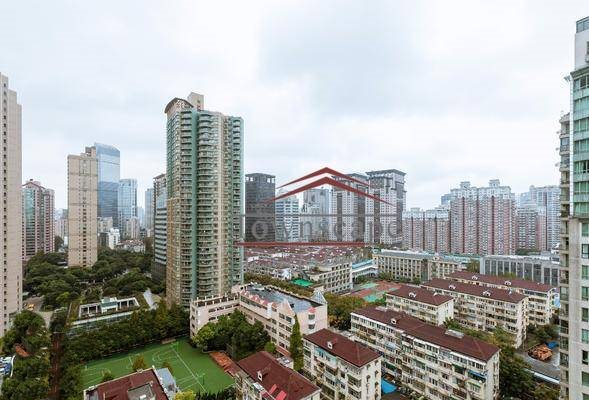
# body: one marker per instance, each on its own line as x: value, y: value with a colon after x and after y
x: 273, y: 307
x: 542, y: 298
x: 437, y: 363
x: 344, y: 369
x: 262, y: 377
x: 423, y: 304
x: 417, y: 266
x: 486, y: 308
x: 335, y: 278
x: 544, y: 268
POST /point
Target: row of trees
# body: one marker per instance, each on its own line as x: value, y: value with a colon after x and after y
x: 116, y: 272
x: 232, y: 333
x: 515, y: 379
x: 226, y: 394
x: 30, y: 374
x: 143, y: 327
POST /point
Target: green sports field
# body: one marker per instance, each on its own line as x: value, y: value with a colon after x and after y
x: 192, y: 369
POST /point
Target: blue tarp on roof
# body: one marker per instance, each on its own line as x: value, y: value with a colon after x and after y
x: 387, y: 387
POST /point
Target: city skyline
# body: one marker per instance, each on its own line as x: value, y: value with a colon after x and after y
x: 275, y: 90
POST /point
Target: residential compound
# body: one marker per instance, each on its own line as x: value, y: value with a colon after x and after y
x: 260, y: 218
x: 355, y: 217
x: 82, y: 195
x: 428, y: 306
x: 427, y: 230
x: 416, y: 266
x: 38, y: 230
x: 574, y: 243
x: 344, y: 369
x: 263, y: 377
x: 11, y: 210
x: 204, y: 200
x: 485, y: 308
x: 276, y: 309
x: 542, y: 299
x: 435, y: 362
x: 542, y: 269
x: 482, y: 219
x: 531, y: 227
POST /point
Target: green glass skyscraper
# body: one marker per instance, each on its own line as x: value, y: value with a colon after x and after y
x: 204, y: 180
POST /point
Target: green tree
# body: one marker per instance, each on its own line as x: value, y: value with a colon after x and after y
x: 546, y: 393
x: 107, y: 376
x: 204, y: 337
x: 473, y: 265
x: 139, y: 363
x: 58, y: 242
x: 270, y: 347
x: 340, y: 308
x: 188, y: 395
x: 296, y: 346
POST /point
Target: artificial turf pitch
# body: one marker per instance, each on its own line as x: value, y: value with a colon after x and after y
x: 192, y: 369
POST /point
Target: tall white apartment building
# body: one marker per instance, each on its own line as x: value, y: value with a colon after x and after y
x: 286, y: 214
x: 344, y: 369
x: 437, y: 363
x: 548, y: 198
x: 486, y: 308
x: 482, y: 219
x: 347, y: 222
x: 428, y: 306
x: 416, y: 266
x: 314, y: 215
x: 11, y: 212
x: 542, y: 298
x: 274, y: 308
x: 82, y: 196
x: 427, y: 230
x: 384, y: 223
x: 574, y: 244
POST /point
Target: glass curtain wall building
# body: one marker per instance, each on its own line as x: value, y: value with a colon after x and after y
x: 109, y: 174
x: 127, y: 204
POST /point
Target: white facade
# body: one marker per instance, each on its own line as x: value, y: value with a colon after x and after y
x: 335, y: 278
x: 420, y: 303
x: 343, y: 368
x: 274, y: 308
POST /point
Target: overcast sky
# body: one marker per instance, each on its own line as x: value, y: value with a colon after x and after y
x: 445, y: 91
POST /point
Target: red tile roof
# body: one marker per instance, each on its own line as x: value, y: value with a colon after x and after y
x: 421, y: 295
x: 476, y: 290
x: 281, y: 382
x: 117, y: 388
x: 502, y: 281
x: 342, y: 347
x: 437, y: 335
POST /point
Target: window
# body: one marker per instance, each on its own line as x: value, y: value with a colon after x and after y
x: 585, y: 251
x: 585, y: 230
x: 582, y: 146
x: 581, y: 125
x: 584, y: 335
x: 585, y: 378
x: 585, y: 314
x: 584, y: 293
x: 585, y: 357
x: 581, y: 167
x: 581, y: 83
x: 581, y: 187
